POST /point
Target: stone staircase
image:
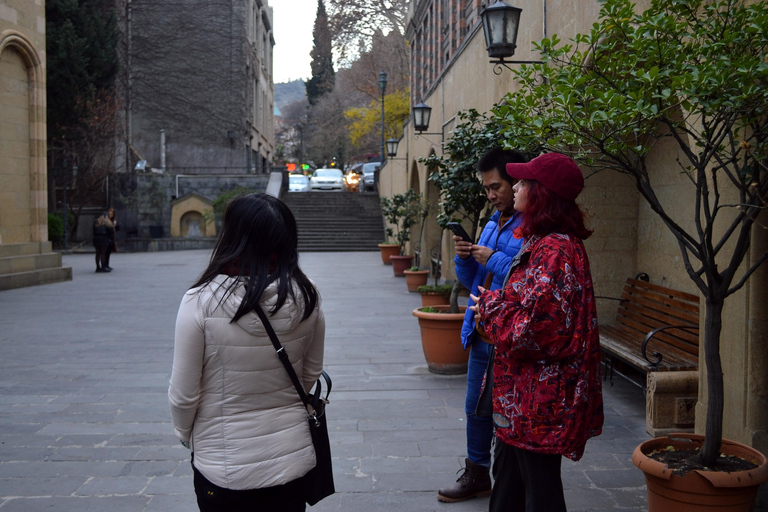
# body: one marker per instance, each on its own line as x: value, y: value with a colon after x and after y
x: 337, y: 221
x: 30, y: 264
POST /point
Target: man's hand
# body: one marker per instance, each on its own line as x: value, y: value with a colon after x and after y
x: 481, y: 254
x: 463, y: 249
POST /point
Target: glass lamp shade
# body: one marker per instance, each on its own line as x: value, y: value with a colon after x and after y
x: 392, y: 147
x: 382, y: 81
x: 421, y: 113
x: 500, y: 24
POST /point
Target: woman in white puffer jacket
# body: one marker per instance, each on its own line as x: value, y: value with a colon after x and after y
x: 231, y: 399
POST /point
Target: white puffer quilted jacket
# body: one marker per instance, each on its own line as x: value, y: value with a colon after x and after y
x: 231, y: 397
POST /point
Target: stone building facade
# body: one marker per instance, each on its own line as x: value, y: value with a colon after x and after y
x: 198, y: 96
x: 451, y: 72
x: 197, y: 86
x: 25, y: 253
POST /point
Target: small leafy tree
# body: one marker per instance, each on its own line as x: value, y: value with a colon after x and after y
x: 462, y: 196
x: 692, y: 72
x: 401, y: 212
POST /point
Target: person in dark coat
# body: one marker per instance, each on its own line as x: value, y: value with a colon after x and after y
x: 103, y: 235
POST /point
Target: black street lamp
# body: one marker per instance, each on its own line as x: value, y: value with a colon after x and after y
x: 421, y: 114
x: 383, y: 87
x: 392, y: 147
x: 500, y: 25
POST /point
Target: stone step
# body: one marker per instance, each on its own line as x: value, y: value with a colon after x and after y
x: 35, y: 277
x: 342, y: 221
x: 29, y: 262
x: 10, y: 250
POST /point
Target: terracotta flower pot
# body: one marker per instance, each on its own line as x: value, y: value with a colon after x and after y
x: 699, y: 489
x: 441, y: 341
x: 415, y: 278
x: 434, y: 299
x: 388, y: 250
x: 400, y: 264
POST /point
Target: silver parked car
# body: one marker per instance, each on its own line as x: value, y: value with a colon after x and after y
x: 298, y: 183
x: 327, y: 179
x: 367, y: 170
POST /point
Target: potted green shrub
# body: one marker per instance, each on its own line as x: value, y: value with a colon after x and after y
x: 690, y: 74
x: 435, y: 294
x: 415, y: 277
x: 401, y: 212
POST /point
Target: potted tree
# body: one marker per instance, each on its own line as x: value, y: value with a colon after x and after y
x: 691, y: 74
x: 417, y: 275
x: 401, y: 212
x: 435, y: 294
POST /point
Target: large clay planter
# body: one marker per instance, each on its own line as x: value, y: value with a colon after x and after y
x: 400, y: 264
x: 415, y: 278
x: 441, y: 341
x: 699, y: 490
x: 434, y: 299
x: 388, y: 250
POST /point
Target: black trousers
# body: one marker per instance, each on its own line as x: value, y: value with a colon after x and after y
x: 280, y: 498
x: 525, y: 481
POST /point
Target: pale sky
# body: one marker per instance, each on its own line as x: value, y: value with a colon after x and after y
x: 293, y: 23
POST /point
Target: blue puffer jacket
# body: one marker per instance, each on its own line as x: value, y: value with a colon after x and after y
x: 472, y: 274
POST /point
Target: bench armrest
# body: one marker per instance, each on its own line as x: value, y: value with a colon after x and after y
x: 653, y: 333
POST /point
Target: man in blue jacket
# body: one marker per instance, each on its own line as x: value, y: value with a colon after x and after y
x: 484, y: 264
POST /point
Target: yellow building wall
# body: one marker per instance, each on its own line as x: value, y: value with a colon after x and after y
x: 23, y: 181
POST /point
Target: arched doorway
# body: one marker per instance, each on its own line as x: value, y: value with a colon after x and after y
x: 23, y: 201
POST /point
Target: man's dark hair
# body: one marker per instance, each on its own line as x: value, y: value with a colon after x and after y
x: 498, y: 158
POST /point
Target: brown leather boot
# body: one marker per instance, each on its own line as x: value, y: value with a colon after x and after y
x: 474, y: 482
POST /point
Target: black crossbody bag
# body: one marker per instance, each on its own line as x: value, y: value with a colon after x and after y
x: 318, y: 483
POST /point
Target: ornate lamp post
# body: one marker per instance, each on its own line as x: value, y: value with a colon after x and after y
x: 500, y: 25
x: 392, y: 147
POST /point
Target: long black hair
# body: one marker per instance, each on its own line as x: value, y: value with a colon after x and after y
x: 258, y: 244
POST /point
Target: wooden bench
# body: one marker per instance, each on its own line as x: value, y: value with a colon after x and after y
x: 657, y: 330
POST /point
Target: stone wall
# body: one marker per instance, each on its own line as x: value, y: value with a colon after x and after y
x: 23, y: 197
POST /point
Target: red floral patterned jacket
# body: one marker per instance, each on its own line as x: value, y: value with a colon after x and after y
x: 547, y: 394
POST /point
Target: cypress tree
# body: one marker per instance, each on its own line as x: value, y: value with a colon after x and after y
x: 81, y: 53
x: 323, y: 75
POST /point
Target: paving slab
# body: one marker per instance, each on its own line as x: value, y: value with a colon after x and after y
x: 84, y: 421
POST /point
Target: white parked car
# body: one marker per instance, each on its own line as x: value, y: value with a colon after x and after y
x: 298, y: 183
x: 327, y: 179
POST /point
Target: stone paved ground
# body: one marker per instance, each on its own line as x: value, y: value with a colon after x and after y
x: 84, y: 423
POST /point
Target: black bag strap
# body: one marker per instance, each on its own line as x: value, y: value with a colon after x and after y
x: 316, y: 397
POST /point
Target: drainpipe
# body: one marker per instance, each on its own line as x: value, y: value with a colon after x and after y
x: 162, y: 150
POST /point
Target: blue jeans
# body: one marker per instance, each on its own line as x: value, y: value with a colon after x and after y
x: 479, y: 430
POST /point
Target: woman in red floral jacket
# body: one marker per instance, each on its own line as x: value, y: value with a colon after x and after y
x: 547, y: 397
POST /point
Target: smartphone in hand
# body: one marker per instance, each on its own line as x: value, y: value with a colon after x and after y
x: 459, y: 231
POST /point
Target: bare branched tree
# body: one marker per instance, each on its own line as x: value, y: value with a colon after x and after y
x: 355, y: 22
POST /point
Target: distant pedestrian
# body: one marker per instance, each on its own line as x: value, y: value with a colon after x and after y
x: 547, y: 396
x: 112, y: 246
x: 232, y: 401
x: 103, y: 235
